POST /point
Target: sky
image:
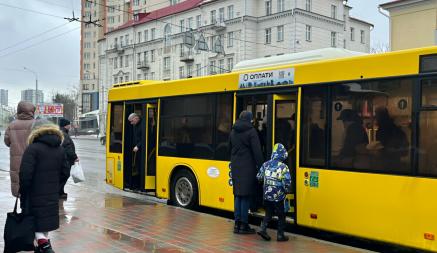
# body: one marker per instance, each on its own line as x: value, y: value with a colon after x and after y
x: 55, y: 55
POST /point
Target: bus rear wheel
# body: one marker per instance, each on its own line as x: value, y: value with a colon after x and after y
x: 184, y: 191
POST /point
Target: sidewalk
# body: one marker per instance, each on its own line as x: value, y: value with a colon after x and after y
x: 93, y: 221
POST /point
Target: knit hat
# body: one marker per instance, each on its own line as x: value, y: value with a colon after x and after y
x: 64, y: 122
x: 246, y: 116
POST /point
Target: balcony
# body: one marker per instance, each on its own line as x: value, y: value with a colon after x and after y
x: 219, y: 25
x: 143, y: 65
x: 118, y: 48
x: 187, y: 57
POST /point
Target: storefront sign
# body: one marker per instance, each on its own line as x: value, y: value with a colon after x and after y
x: 50, y: 110
x: 269, y: 78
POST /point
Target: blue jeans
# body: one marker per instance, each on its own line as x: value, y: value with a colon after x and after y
x: 241, y: 208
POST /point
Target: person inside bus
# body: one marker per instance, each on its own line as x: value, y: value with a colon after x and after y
x: 393, y: 140
x: 246, y: 158
x: 135, y: 120
x: 355, y: 140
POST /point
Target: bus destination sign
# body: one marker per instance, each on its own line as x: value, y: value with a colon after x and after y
x: 269, y: 78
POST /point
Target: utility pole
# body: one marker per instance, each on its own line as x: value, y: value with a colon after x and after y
x: 36, y: 84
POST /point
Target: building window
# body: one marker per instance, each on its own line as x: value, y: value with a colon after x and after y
x: 127, y: 39
x: 212, y: 70
x: 115, y: 63
x: 222, y: 66
x: 362, y: 36
x: 138, y: 76
x: 121, y: 61
x: 153, y: 31
x: 167, y: 35
x: 152, y: 76
x: 198, y: 69
x: 152, y: 55
x: 166, y: 63
x: 308, y: 5
x: 230, y: 12
x: 189, y: 70
x: 181, y: 25
x: 139, y: 37
x: 190, y: 24
x: 352, y: 34
x: 181, y: 72
x: 222, y: 15
x: 126, y: 62
x: 308, y: 29
x: 146, y: 35
x: 281, y: 5
x: 213, y: 17
x: 230, y: 64
x: 146, y: 56
x: 198, y: 21
x: 268, y: 7
x: 268, y: 36
x: 230, y: 39
x: 281, y: 33
x: 333, y: 11
x: 333, y: 39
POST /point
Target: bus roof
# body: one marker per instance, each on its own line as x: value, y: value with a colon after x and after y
x: 295, y: 58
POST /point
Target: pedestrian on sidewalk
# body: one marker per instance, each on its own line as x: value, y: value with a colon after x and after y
x: 277, y: 182
x: 16, y: 139
x: 40, y: 170
x: 70, y: 155
x: 246, y: 158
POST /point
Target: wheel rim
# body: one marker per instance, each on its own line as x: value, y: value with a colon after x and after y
x: 184, y: 191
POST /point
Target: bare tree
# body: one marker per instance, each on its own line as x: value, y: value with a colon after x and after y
x: 379, y: 47
x: 69, y: 103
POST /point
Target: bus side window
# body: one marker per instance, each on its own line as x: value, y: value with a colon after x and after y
x: 313, y: 126
x: 371, y: 125
x: 428, y: 135
x: 116, y: 129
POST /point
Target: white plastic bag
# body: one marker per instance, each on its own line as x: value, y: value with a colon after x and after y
x: 77, y: 173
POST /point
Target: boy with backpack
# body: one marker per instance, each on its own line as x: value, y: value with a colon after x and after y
x: 277, y: 181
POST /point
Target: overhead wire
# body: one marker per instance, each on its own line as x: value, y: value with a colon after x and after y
x: 34, y: 37
x: 40, y: 42
x: 30, y: 10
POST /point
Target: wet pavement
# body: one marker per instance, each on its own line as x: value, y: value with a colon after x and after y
x: 99, y: 218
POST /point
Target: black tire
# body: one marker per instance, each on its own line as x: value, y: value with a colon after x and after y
x: 184, y: 191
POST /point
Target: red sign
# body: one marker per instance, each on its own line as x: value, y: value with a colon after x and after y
x: 51, y: 110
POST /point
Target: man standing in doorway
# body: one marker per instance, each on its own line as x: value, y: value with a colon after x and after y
x: 135, y: 120
x: 246, y: 158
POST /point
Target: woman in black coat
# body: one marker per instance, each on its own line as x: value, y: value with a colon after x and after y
x: 246, y: 158
x: 40, y: 170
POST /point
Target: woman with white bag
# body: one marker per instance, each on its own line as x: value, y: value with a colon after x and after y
x: 70, y: 155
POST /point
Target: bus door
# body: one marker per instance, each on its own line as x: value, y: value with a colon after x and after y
x: 114, y: 145
x: 134, y: 162
x: 284, y: 132
x: 150, y: 147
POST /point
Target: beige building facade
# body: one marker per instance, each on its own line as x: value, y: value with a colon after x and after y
x: 413, y: 23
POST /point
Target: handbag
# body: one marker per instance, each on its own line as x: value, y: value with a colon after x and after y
x: 77, y: 173
x: 19, y: 231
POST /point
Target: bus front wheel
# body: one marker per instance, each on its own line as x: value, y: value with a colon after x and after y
x: 184, y: 191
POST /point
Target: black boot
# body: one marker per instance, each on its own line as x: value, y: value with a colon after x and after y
x: 263, y: 232
x: 45, y: 248
x: 237, y: 227
x: 281, y: 237
x: 246, y: 229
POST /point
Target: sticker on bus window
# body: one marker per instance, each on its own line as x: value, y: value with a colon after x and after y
x: 270, y: 78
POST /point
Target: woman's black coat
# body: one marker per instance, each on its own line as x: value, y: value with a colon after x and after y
x: 246, y: 158
x: 40, y: 170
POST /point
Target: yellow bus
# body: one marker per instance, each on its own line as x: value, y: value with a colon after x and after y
x: 360, y: 131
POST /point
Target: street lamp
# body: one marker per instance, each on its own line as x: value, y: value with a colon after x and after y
x: 36, y: 84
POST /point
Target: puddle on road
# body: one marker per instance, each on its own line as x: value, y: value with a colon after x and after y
x: 114, y: 201
x: 148, y: 246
